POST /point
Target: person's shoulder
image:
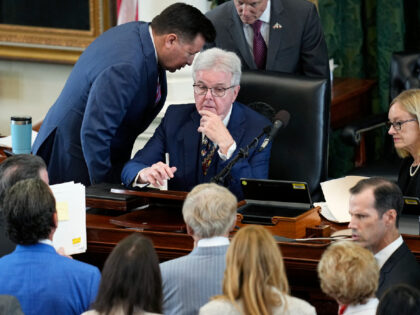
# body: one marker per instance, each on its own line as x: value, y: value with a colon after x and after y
x: 253, y: 115
x: 79, y: 268
x: 296, y: 4
x: 221, y: 11
x: 219, y: 306
x: 180, y: 109
x: 298, y: 306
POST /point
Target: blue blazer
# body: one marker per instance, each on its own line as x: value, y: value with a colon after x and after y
x: 296, y: 40
x: 46, y: 283
x: 177, y: 135
x: 107, y: 101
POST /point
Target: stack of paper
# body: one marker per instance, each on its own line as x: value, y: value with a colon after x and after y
x: 71, y: 210
x: 337, y: 197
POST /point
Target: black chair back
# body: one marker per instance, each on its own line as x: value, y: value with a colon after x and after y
x: 300, y: 151
x: 405, y: 72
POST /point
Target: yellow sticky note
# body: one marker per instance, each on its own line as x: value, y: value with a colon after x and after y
x: 62, y: 208
x: 76, y: 240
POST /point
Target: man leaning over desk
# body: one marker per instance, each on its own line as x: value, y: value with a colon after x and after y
x: 202, y: 138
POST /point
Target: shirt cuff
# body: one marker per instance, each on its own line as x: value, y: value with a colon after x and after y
x: 135, y: 184
x: 229, y: 153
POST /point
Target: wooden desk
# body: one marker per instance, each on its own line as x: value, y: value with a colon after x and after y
x: 300, y: 259
x: 351, y: 99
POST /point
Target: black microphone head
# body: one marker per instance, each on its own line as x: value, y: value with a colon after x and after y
x: 283, y: 116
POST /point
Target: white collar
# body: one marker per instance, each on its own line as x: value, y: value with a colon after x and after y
x: 153, y: 42
x: 227, y: 118
x: 383, y: 255
x: 371, y: 304
x: 213, y: 241
x: 265, y: 17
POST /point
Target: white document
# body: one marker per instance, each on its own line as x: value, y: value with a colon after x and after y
x: 337, y: 197
x: 70, y: 201
x: 7, y: 141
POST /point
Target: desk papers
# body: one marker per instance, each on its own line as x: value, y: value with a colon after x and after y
x: 7, y: 141
x: 337, y: 197
x: 71, y: 210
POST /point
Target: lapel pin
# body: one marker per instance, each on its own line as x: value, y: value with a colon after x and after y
x: 277, y: 26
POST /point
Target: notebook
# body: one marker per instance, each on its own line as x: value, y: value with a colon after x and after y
x: 267, y: 198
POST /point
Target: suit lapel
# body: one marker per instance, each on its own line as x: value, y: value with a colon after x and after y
x: 236, y: 32
x: 275, y: 38
x: 188, y: 138
x: 390, y: 263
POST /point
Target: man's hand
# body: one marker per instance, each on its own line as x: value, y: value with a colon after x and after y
x: 156, y: 174
x: 212, y: 126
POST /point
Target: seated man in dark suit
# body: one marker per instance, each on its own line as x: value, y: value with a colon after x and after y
x: 202, y: 138
x: 276, y: 35
x: 12, y: 170
x: 375, y: 208
x: 43, y: 281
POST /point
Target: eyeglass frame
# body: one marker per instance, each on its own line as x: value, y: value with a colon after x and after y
x: 398, y: 124
x: 211, y: 90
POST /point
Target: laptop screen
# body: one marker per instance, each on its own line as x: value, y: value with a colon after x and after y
x: 283, y: 191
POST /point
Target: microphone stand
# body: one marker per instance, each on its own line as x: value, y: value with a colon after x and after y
x: 243, y: 153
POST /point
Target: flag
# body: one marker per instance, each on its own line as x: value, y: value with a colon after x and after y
x: 127, y: 11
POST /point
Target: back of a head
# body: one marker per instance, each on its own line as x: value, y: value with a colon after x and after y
x: 254, y: 265
x: 131, y: 278
x: 29, y: 208
x: 210, y: 210
x: 184, y: 20
x: 401, y: 299
x: 218, y: 60
x: 19, y: 167
x: 387, y: 194
x: 348, y: 272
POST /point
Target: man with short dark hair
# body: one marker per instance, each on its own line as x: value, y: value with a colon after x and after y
x: 275, y: 35
x: 115, y: 90
x: 12, y: 170
x: 209, y: 212
x: 43, y: 281
x: 375, y: 208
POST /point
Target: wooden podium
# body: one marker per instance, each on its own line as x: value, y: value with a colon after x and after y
x: 301, y: 258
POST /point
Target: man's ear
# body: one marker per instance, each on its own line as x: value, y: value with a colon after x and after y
x: 390, y: 217
x: 55, y: 219
x: 170, y: 39
x: 190, y: 231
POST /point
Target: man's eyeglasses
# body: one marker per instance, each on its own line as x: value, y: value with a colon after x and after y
x: 215, y: 91
x: 398, y: 124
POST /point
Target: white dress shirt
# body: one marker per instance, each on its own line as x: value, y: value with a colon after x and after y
x: 383, y: 255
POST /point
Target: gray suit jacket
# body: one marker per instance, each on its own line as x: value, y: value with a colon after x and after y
x: 190, y: 281
x: 296, y: 43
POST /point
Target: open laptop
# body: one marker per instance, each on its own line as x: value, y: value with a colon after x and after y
x: 266, y: 198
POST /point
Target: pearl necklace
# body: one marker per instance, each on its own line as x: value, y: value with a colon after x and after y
x: 412, y: 173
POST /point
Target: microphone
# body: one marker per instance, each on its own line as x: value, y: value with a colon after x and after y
x: 280, y: 120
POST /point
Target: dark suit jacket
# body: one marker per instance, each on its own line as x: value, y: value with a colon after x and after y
x: 401, y: 267
x: 108, y: 100
x: 410, y: 185
x: 297, y: 47
x: 177, y: 135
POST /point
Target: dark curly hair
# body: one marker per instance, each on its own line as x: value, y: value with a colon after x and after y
x: 28, y: 208
x: 18, y: 167
x: 184, y: 20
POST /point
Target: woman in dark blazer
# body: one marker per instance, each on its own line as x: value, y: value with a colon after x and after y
x: 404, y: 117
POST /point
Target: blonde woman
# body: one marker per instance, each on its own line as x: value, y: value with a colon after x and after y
x: 349, y: 274
x: 255, y: 281
x: 404, y: 115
